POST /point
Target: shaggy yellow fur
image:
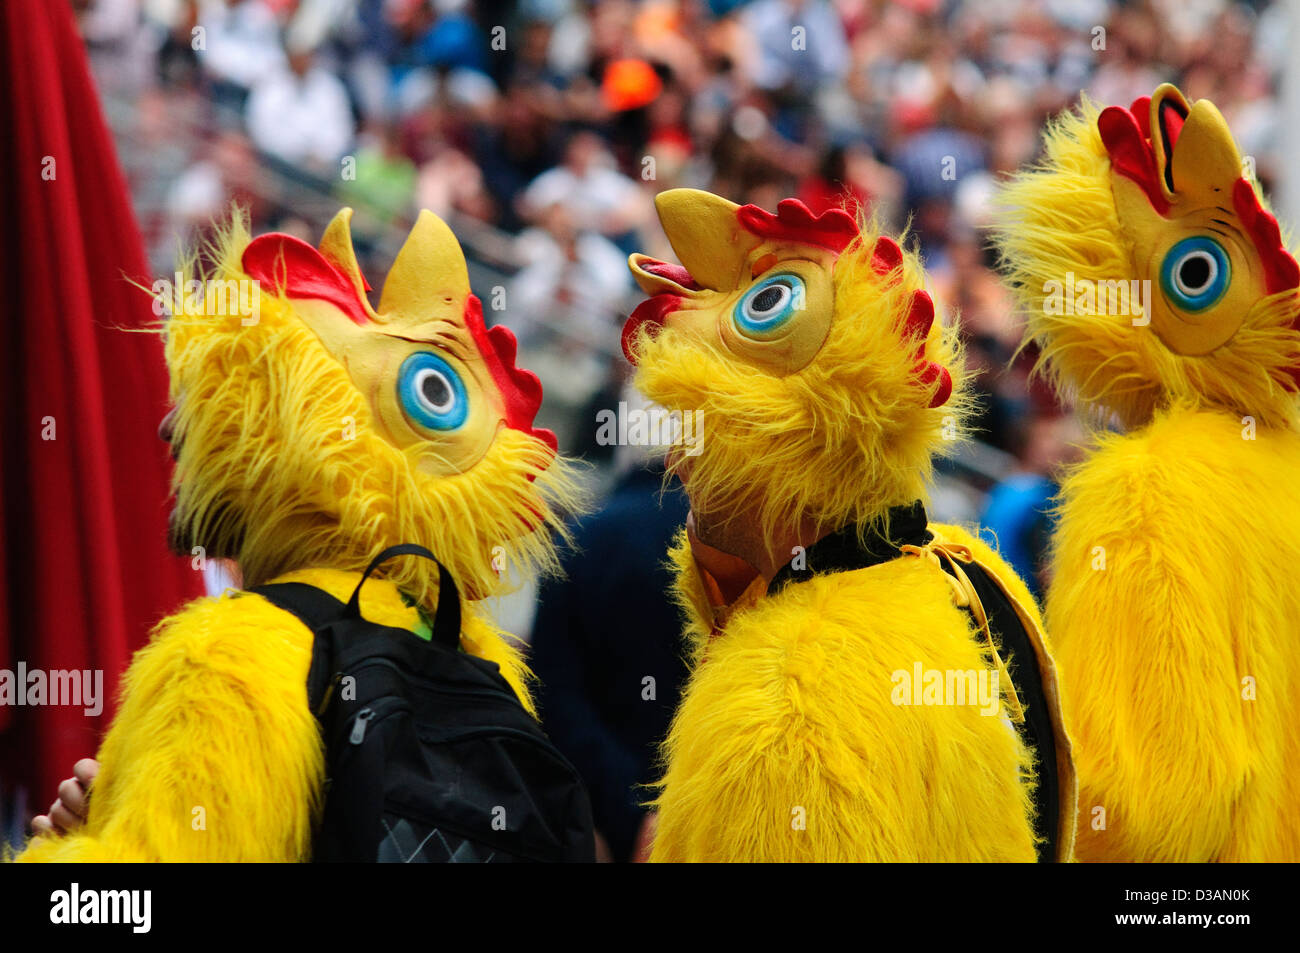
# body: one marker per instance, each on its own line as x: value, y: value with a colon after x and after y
x: 280, y: 467
x: 213, y: 755
x: 787, y: 744
x: 1059, y: 218
x: 1173, y: 610
x: 1173, y: 605
x: 788, y: 747
x: 850, y: 435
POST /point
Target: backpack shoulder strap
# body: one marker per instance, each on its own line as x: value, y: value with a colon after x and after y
x: 320, y: 612
x: 446, y: 619
x: 317, y: 610
x: 315, y: 607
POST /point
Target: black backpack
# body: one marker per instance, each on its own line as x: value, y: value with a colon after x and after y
x: 429, y: 756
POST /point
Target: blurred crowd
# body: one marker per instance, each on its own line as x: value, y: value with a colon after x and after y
x: 542, y: 130
x: 554, y: 122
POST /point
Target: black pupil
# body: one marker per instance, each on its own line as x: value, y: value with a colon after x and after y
x: 435, y: 389
x: 1195, y: 271
x: 768, y: 298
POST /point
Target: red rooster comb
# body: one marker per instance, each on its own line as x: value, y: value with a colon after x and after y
x: 920, y: 317
x: 520, y: 388
x: 833, y: 229
x: 886, y: 259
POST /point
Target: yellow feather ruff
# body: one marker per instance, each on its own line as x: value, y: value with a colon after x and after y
x: 788, y: 746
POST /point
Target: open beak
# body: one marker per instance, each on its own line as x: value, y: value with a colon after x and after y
x: 1166, y: 116
x: 710, y: 242
x: 1192, y: 145
x: 1173, y: 150
x: 707, y: 237
x: 656, y: 277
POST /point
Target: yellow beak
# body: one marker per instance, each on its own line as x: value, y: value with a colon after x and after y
x: 1194, y: 149
x: 707, y: 238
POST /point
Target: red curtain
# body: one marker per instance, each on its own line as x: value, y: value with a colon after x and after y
x: 84, y: 569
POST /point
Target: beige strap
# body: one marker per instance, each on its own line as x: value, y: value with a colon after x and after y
x: 965, y: 597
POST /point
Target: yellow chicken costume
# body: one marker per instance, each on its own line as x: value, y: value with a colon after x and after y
x: 313, y: 431
x: 827, y: 619
x: 1159, y: 291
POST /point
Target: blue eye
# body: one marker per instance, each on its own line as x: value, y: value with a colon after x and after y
x: 770, y: 304
x: 431, y: 393
x: 1195, y: 273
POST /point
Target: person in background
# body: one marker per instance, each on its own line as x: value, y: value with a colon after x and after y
x: 241, y: 47
x: 597, y: 196
x: 1019, y: 516
x: 573, y: 281
x: 384, y: 187
x: 301, y: 115
x: 606, y: 649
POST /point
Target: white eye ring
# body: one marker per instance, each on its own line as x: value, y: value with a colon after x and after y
x: 784, y: 294
x: 1212, y: 272
x: 422, y: 378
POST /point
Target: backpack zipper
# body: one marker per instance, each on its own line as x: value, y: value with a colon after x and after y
x: 359, y: 725
x: 374, y: 712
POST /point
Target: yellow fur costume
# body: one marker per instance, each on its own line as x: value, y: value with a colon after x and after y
x: 1173, y: 606
x: 301, y: 455
x: 820, y: 403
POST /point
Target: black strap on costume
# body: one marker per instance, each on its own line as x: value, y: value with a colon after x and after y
x: 306, y: 602
x: 319, y: 611
x: 446, y: 621
x: 845, y: 551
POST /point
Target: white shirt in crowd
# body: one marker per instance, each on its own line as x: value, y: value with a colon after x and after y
x: 580, y: 296
x: 591, y: 198
x: 241, y: 43
x: 304, y: 119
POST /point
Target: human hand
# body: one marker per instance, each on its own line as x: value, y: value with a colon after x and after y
x: 68, y: 812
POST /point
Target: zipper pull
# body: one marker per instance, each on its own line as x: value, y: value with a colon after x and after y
x: 359, y: 726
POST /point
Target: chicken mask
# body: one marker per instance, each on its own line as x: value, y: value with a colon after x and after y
x: 317, y: 430
x: 1156, y: 194
x: 808, y: 348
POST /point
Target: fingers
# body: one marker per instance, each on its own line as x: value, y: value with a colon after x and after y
x: 73, y: 797
x: 69, y: 812
x: 645, y: 838
x: 64, y: 821
x: 85, y: 771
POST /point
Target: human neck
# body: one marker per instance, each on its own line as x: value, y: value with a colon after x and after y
x: 741, y: 536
